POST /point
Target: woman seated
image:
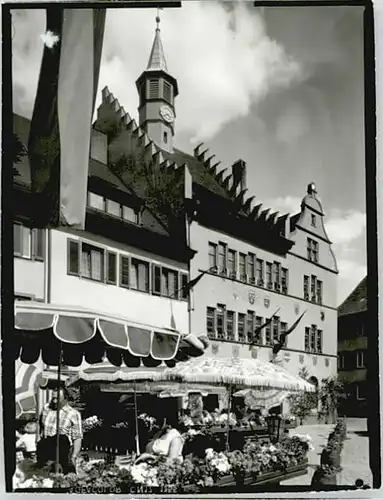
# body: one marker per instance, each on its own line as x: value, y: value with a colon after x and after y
x: 168, y: 442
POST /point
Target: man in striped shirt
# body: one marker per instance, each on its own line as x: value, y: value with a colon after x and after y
x: 70, y: 433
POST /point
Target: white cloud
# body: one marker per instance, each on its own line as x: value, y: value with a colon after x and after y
x: 346, y: 227
x: 288, y: 204
x: 222, y: 57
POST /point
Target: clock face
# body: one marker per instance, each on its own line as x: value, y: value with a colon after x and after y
x: 167, y: 114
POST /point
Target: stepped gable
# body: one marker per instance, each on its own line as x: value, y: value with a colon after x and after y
x: 127, y: 138
x: 356, y: 302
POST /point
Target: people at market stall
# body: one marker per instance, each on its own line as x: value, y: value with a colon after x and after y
x: 27, y: 441
x: 70, y: 433
x: 168, y: 442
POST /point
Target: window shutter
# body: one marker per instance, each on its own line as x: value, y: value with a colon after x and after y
x: 124, y: 272
x: 111, y: 262
x: 184, y: 292
x: 156, y: 277
x: 73, y: 257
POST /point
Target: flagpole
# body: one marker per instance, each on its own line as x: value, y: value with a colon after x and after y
x: 57, y: 461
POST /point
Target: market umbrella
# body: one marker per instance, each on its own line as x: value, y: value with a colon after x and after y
x: 267, y: 398
x: 70, y: 335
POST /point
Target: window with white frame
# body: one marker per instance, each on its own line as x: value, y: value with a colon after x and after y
x: 361, y: 393
x: 360, y: 359
x: 284, y: 280
x: 312, y: 250
x: 268, y: 338
x: 113, y: 208
x: 169, y: 282
x: 210, y: 322
x: 306, y: 287
x: 313, y: 220
x: 222, y: 251
x: 130, y: 214
x: 242, y: 267
x: 251, y: 267
x: 313, y: 339
x: 230, y: 330
x: 258, y: 333
x: 28, y: 243
x: 269, y: 274
x: 139, y: 275
x: 220, y: 315
x: 92, y: 262
x: 212, y: 256
x: 250, y: 326
x: 260, y: 267
x: 96, y: 201
x: 277, y: 275
x: 241, y: 327
x: 232, y: 263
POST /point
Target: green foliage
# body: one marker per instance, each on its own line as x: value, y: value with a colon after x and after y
x: 161, y: 189
x: 331, y: 393
x: 301, y: 404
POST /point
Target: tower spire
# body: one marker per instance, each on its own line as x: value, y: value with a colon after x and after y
x: 157, y: 59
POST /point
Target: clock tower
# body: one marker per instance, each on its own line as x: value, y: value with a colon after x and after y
x: 157, y: 91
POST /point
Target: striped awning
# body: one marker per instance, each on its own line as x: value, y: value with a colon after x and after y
x: 27, y: 379
x: 83, y: 335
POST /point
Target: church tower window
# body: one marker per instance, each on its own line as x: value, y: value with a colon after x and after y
x: 167, y: 92
x: 154, y: 88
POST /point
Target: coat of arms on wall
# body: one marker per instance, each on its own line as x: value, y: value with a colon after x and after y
x: 315, y: 360
x: 214, y: 348
x: 235, y: 351
x: 251, y: 297
x: 287, y: 357
x: 327, y: 362
x: 266, y: 302
x: 301, y: 359
x: 296, y: 308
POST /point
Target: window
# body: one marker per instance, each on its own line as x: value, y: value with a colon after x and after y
x: 222, y: 257
x: 165, y: 137
x: 313, y: 220
x: 220, y: 321
x: 156, y: 279
x: 251, y: 267
x: 313, y: 339
x: 124, y: 271
x: 313, y: 288
x: 111, y: 265
x: 259, y: 272
x: 154, y: 87
x: 92, y: 262
x: 319, y: 292
x: 230, y: 325
x: 212, y: 255
x: 242, y: 266
x: 360, y: 359
x: 276, y: 321
x: 307, y: 339
x: 284, y: 279
x: 250, y: 326
x: 277, y: 275
x: 184, y: 292
x: 268, y: 340
x: 96, y: 201
x: 319, y: 342
x: 269, y: 274
x: 306, y: 281
x: 169, y: 279
x: 210, y: 321
x: 113, y: 208
x: 232, y: 263
x: 129, y: 214
x: 167, y: 92
x: 257, y: 337
x: 312, y: 250
x: 38, y: 243
x: 22, y: 241
x: 73, y: 257
x: 139, y: 275
x: 241, y: 327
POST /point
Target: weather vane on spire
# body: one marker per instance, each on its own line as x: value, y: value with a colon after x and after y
x: 158, y: 19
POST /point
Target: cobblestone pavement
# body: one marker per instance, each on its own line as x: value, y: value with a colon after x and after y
x: 355, y: 461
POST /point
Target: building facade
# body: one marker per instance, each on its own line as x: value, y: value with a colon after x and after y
x: 353, y: 349
x: 158, y: 217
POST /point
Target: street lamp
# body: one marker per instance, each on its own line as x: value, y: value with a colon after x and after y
x: 274, y: 425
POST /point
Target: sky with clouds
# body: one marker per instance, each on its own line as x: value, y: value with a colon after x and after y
x: 281, y: 88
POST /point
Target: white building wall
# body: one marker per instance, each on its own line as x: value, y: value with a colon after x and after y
x: 29, y: 278
x: 111, y: 299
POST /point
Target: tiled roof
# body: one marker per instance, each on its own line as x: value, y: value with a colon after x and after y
x: 356, y: 302
x: 197, y: 170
